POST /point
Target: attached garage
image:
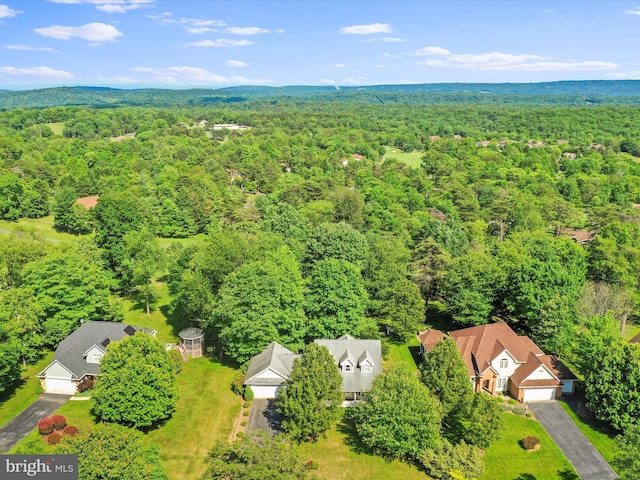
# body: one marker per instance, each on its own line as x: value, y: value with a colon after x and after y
x: 264, y: 391
x: 59, y: 385
x: 538, y: 394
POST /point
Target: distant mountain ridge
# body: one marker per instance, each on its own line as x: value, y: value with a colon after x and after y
x: 573, y: 93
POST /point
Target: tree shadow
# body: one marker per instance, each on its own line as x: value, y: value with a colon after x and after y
x: 352, y: 440
x: 576, y: 404
x: 567, y: 475
x: 525, y: 476
x: 176, y: 321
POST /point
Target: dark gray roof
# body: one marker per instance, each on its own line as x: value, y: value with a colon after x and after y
x: 71, y: 351
x: 348, y: 347
x: 191, y: 333
x: 275, y: 357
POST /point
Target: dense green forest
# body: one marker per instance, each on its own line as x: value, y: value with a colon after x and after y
x: 568, y: 93
x: 307, y: 226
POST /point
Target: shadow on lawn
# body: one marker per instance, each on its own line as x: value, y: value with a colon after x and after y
x: 352, y: 440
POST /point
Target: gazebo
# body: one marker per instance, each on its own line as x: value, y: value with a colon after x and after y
x: 193, y: 341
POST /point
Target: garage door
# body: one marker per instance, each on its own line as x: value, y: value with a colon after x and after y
x: 264, y: 392
x: 539, y: 394
x: 60, y: 385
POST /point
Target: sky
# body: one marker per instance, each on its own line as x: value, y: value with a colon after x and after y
x: 213, y: 44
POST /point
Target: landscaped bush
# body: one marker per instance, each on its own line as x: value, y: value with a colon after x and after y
x: 244, y: 423
x: 248, y: 393
x: 240, y: 434
x: 70, y: 430
x: 85, y: 384
x: 46, y: 426
x: 59, y: 421
x: 245, y: 414
x: 311, y: 465
x: 530, y: 442
x: 512, y: 401
x: 237, y: 384
x: 176, y: 358
x: 54, y: 438
x: 246, y: 404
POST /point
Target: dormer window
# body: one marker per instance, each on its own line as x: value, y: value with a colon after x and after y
x: 504, y: 363
x: 366, y: 368
x: 347, y: 367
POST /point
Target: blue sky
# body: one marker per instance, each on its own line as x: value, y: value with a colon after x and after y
x: 181, y: 44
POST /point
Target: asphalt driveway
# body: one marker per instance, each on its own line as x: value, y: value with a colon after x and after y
x: 264, y: 417
x: 585, y: 459
x: 18, y: 428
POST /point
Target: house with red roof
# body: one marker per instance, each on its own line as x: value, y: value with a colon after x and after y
x: 498, y: 360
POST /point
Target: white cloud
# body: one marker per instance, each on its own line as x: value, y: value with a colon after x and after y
x: 7, y: 12
x: 192, y: 25
x: 634, y: 75
x: 181, y: 75
x: 367, y: 29
x: 94, y: 32
x: 235, y: 63
x: 220, y: 42
x: 549, y: 10
x: 353, y: 80
x: 28, y: 48
x: 386, y: 39
x: 36, y: 72
x: 339, y: 65
x: 506, y: 62
x: 431, y: 51
x: 633, y: 11
x: 328, y: 81
x: 246, y: 30
x: 110, y: 6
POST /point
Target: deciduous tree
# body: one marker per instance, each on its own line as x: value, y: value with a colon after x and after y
x: 313, y: 395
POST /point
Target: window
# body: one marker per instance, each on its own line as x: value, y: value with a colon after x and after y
x: 346, y: 367
x: 365, y: 367
x: 504, y: 363
x: 501, y: 383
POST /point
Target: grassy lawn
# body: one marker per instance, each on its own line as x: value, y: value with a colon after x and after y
x: 206, y: 412
x: 506, y: 460
x: 338, y: 460
x: 43, y: 226
x: 596, y: 432
x: 13, y: 403
x: 631, y: 330
x: 56, y: 128
x: 402, y: 354
x: 413, y: 159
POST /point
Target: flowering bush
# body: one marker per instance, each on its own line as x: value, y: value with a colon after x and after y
x: 46, y: 426
x: 530, y: 442
x: 70, y: 430
x: 59, y: 421
x: 54, y: 438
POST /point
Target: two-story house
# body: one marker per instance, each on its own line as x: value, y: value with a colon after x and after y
x: 359, y: 361
x: 79, y: 355
x: 499, y: 360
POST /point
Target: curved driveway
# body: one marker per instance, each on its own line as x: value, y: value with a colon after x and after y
x: 583, y: 456
x: 18, y: 428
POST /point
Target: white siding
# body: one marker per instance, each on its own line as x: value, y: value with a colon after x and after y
x: 511, y: 364
x: 94, y: 355
x: 541, y: 373
x: 57, y: 370
x: 268, y: 373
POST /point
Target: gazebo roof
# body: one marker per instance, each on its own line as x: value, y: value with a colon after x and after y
x: 191, y: 333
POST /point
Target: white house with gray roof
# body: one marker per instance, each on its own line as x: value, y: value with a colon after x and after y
x: 359, y: 361
x: 79, y: 354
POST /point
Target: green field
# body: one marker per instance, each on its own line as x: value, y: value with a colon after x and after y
x: 43, y: 226
x: 56, y: 128
x: 413, y: 159
x: 505, y: 459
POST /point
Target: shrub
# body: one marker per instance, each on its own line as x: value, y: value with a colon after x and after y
x: 59, y: 421
x: 519, y: 411
x: 245, y: 414
x: 70, y: 430
x: 244, y: 423
x: 248, y: 393
x: 240, y: 434
x: 176, y: 358
x: 530, y: 442
x: 54, y: 438
x: 500, y: 399
x: 311, y: 465
x: 85, y: 384
x: 529, y: 415
x: 237, y: 384
x: 246, y: 404
x: 45, y: 426
x: 512, y: 401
